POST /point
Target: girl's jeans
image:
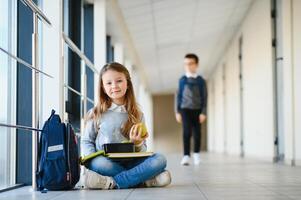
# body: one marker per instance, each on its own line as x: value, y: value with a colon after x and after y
x: 129, y: 173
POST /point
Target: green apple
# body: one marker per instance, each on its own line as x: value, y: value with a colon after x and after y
x: 143, y: 128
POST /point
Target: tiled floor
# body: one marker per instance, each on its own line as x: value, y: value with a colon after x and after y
x: 218, y: 177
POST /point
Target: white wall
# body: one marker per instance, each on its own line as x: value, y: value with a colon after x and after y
x: 218, y: 138
x: 291, y: 23
x: 50, y: 60
x: 297, y: 78
x: 211, y: 113
x: 258, y: 89
x: 118, y: 53
x: 288, y: 82
x: 99, y: 39
x: 232, y: 95
x: 146, y: 103
x: 258, y: 81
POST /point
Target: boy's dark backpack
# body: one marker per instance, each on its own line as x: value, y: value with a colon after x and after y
x: 58, y: 166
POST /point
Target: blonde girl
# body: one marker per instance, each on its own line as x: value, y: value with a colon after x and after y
x: 114, y: 119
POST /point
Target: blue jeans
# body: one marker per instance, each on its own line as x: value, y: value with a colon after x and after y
x: 129, y: 173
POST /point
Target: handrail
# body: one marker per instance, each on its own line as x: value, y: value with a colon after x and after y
x: 78, y: 93
x: 75, y: 49
x: 36, y: 10
x: 19, y: 60
x: 28, y: 128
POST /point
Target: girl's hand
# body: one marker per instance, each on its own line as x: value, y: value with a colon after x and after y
x: 136, y: 134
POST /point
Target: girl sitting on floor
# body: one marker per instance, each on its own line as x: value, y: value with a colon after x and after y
x: 116, y: 118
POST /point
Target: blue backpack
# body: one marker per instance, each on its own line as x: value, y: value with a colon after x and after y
x: 58, y: 157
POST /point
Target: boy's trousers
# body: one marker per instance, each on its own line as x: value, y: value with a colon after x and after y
x: 191, y: 124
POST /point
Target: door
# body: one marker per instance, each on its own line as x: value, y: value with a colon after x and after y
x: 240, y: 57
x: 225, y: 108
x: 278, y: 80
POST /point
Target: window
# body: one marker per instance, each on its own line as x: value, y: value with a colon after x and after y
x: 72, y: 27
x: 89, y: 50
x: 24, y: 94
x: 78, y: 26
x: 7, y: 100
x: 110, y: 49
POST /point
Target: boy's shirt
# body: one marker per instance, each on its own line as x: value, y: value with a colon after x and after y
x: 192, y: 93
x: 191, y: 75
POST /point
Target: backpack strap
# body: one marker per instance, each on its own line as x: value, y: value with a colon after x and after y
x: 182, y: 83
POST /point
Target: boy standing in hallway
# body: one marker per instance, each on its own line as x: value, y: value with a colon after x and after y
x: 191, y: 101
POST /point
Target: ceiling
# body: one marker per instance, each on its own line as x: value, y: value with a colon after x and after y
x: 163, y: 31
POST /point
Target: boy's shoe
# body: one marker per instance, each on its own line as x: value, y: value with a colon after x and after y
x: 196, y: 158
x: 93, y: 180
x: 161, y: 180
x: 185, y: 160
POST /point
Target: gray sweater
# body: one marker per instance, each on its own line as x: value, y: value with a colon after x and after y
x: 109, y: 130
x: 192, y: 94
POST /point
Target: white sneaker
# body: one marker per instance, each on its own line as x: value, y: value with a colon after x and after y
x: 93, y: 180
x: 185, y: 160
x: 161, y: 180
x: 196, y: 158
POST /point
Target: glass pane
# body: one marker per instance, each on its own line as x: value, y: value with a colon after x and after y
x: 73, y: 79
x: 4, y: 103
x: 73, y: 107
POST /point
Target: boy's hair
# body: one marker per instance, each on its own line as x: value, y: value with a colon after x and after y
x: 192, y: 56
x: 104, y: 101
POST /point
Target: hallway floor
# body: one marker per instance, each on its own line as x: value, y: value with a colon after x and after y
x: 218, y: 177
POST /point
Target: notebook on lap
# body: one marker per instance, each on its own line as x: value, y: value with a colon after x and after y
x: 116, y: 151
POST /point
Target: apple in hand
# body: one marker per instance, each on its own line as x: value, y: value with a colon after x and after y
x: 143, y: 129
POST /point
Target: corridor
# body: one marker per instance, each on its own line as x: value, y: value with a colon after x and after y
x: 218, y: 177
x: 235, y: 63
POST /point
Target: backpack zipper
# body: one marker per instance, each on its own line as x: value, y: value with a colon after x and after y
x: 68, y: 149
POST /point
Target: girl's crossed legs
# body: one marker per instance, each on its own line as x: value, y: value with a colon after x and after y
x: 129, y: 173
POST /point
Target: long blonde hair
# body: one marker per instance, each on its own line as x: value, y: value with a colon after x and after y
x: 104, y: 101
